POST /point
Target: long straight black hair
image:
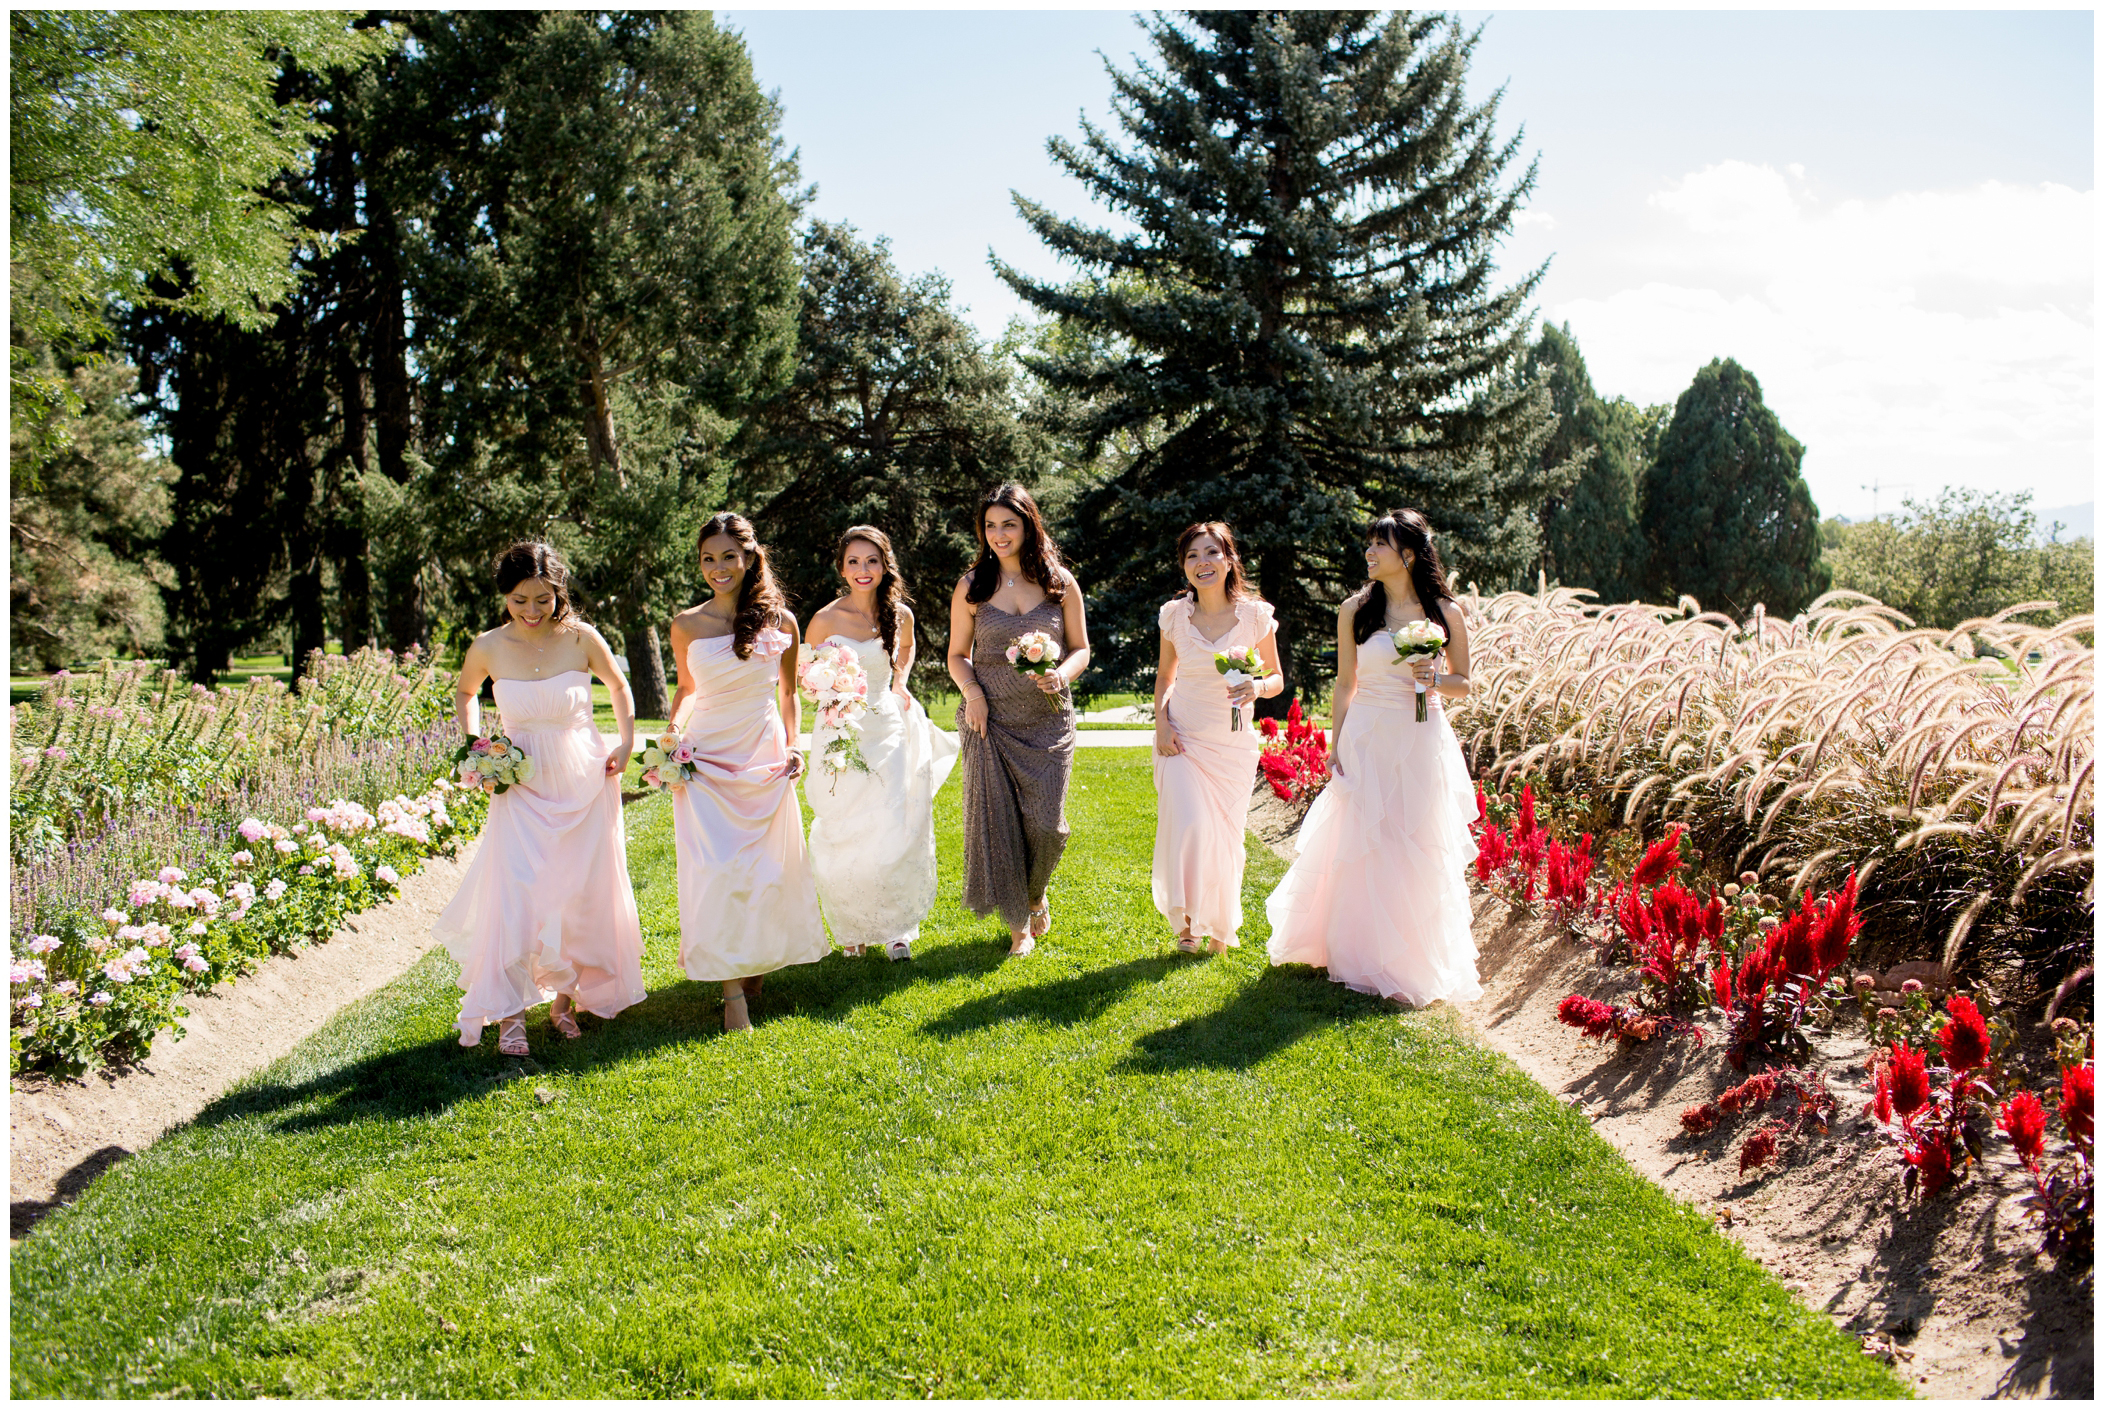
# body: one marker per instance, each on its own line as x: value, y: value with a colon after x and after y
x: 1401, y: 529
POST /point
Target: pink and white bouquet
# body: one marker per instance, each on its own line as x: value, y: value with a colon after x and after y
x: 668, y: 762
x: 1240, y: 667
x: 831, y: 677
x: 492, y: 763
x: 1034, y: 653
x: 1414, y: 642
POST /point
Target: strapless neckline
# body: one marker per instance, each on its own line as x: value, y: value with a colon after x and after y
x: 535, y: 680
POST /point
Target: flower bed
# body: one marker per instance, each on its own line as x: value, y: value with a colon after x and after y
x: 1957, y: 786
x: 167, y: 840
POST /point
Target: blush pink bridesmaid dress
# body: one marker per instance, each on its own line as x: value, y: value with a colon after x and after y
x: 546, y: 907
x: 1378, y: 893
x: 747, y: 904
x: 1202, y: 794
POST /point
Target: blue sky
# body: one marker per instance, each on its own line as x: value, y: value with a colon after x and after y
x: 1886, y: 216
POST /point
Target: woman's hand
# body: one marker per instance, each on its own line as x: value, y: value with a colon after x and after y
x: 1242, y: 694
x: 796, y: 765
x: 1165, y: 740
x: 1050, y: 682
x: 617, y: 760
x: 905, y: 696
x: 1427, y: 672
x: 975, y: 714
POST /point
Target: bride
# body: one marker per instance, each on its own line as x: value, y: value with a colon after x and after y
x: 873, y: 834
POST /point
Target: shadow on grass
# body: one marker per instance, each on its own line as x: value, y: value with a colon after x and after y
x: 1066, y: 1002
x: 1276, y: 1011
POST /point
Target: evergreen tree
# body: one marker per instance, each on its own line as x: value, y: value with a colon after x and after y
x: 896, y: 417
x: 1304, y: 318
x: 609, y: 219
x: 1728, y: 519
x: 1589, y: 533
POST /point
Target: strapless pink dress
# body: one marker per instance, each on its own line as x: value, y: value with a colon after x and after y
x: 747, y: 903
x: 1378, y: 892
x: 546, y: 907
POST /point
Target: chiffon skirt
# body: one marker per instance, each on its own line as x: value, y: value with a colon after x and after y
x: 1378, y: 892
x: 1202, y: 809
x: 546, y: 907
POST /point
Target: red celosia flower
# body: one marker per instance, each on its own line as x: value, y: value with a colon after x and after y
x: 2077, y: 1094
x: 1713, y: 918
x: 1720, y: 980
x: 1268, y: 727
x: 2024, y: 1118
x: 1525, y: 827
x: 1758, y: 1150
x: 1910, y: 1079
x: 1881, y: 1104
x: 1595, y: 1017
x: 1964, y: 1039
x: 1482, y: 804
x: 1570, y: 871
x: 1698, y: 1119
x: 1932, y: 1159
x: 1749, y: 1095
x: 1492, y: 852
x: 1791, y: 945
x: 1835, y: 930
x: 1659, y: 861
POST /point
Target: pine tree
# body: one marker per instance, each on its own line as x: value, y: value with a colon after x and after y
x: 896, y: 417
x: 1728, y: 518
x: 1590, y: 533
x: 1305, y: 319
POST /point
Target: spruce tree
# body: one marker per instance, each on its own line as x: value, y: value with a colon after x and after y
x: 1304, y: 323
x: 1728, y: 517
x: 1590, y: 536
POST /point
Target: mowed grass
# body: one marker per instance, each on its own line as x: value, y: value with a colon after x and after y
x: 1106, y: 1169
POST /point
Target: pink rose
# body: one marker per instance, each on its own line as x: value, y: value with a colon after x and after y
x: 480, y: 746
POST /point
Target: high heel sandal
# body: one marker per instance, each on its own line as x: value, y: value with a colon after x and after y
x: 1044, y: 910
x: 564, y: 1018
x: 511, y: 1036
x: 1188, y: 944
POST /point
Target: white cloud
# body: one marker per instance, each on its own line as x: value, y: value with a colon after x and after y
x: 1926, y: 338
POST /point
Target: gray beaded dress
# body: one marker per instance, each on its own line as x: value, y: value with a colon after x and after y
x: 1015, y: 778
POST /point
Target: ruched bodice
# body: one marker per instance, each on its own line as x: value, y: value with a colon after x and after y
x: 1385, y: 680
x: 872, y: 834
x: 563, y: 701
x: 723, y: 684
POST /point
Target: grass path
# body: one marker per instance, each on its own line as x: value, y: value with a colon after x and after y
x: 1104, y: 1170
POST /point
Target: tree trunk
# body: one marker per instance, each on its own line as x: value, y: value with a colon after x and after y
x: 646, y: 670
x: 393, y: 414
x: 1276, y: 572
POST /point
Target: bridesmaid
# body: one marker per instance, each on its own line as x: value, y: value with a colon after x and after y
x: 546, y: 908
x: 1377, y: 894
x: 746, y: 903
x: 873, y: 834
x: 1016, y: 728
x: 1204, y: 767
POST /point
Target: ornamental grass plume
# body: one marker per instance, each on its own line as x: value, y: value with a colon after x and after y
x: 2024, y: 1119
x: 1964, y: 1040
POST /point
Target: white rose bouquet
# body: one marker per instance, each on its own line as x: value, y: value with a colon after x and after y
x: 1414, y: 642
x: 668, y: 762
x: 492, y: 763
x: 832, y: 678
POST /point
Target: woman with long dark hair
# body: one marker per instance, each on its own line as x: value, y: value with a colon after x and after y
x: 746, y: 902
x: 1377, y: 894
x: 1016, y: 726
x: 872, y: 825
x: 546, y: 912
x: 1205, y: 740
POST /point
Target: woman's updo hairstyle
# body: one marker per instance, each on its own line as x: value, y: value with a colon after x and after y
x: 1040, y: 555
x: 759, y: 596
x: 891, y: 590
x: 1405, y: 529
x: 526, y: 560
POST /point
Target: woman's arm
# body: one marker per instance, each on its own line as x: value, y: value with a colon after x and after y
x: 902, y: 662
x: 1347, y: 679
x: 1455, y: 683
x: 680, y: 639
x: 602, y: 661
x: 1274, y: 679
x: 467, y: 710
x: 958, y: 656
x: 785, y: 698
x: 1075, y: 620
x: 1165, y: 740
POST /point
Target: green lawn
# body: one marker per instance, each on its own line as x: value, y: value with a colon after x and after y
x: 1106, y: 1169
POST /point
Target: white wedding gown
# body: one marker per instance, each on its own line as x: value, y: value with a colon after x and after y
x: 873, y: 834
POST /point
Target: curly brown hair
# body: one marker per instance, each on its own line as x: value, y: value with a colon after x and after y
x: 891, y: 589
x: 759, y: 595
x: 1040, y: 555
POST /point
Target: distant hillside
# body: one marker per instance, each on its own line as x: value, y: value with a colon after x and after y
x: 2079, y: 519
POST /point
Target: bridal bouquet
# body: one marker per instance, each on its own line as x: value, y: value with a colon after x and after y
x: 1240, y: 667
x: 668, y: 762
x: 1034, y: 653
x: 1414, y: 642
x: 832, y: 678
x: 492, y: 763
